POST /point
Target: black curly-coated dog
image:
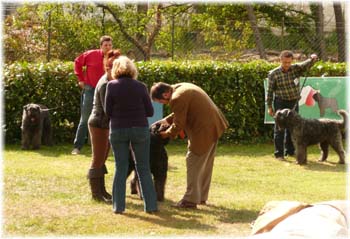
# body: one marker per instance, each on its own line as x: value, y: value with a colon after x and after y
x: 305, y: 132
x: 158, y: 163
x: 36, y: 126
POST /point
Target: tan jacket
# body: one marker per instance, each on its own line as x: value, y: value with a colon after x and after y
x: 195, y: 113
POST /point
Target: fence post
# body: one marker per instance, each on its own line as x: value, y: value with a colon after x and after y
x: 172, y: 36
x: 282, y: 35
x: 48, y: 56
x: 103, y: 21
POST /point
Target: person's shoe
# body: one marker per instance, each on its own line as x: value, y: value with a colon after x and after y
x: 75, y: 151
x: 100, y: 198
x: 280, y: 158
x: 152, y: 212
x: 290, y: 155
x: 185, y: 204
x: 96, y: 193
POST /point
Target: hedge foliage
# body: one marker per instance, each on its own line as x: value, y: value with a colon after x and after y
x: 52, y: 84
x: 237, y: 89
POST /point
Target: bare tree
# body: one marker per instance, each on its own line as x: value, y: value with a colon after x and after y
x: 142, y: 44
x: 253, y: 23
x: 340, y: 28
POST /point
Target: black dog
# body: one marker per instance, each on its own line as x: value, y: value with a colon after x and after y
x: 36, y: 126
x: 305, y: 132
x: 158, y: 163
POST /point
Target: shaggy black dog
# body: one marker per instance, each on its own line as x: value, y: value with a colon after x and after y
x: 305, y: 132
x: 158, y: 163
x: 36, y: 126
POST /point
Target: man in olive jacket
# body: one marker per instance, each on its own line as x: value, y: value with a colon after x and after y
x: 203, y: 122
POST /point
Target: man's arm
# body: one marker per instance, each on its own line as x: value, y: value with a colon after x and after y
x: 166, y: 120
x: 180, y: 108
x: 305, y: 65
x: 270, y: 90
x: 108, y: 100
x: 79, y: 64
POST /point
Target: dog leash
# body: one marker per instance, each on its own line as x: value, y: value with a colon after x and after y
x: 307, y: 73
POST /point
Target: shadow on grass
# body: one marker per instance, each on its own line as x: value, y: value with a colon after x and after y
x: 247, y: 150
x: 181, y: 218
x: 223, y: 149
x: 257, y: 150
x: 51, y: 151
x: 325, y: 166
x: 314, y: 165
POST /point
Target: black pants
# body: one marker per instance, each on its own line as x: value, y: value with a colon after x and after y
x: 282, y: 139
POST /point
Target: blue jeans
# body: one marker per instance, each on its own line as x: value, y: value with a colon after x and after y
x: 139, y: 139
x: 86, y: 103
x: 282, y: 137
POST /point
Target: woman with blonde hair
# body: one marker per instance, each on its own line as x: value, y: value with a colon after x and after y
x: 128, y: 105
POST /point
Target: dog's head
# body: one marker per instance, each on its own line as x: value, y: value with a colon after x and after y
x: 285, y: 118
x: 156, y: 129
x: 317, y: 96
x: 32, y: 112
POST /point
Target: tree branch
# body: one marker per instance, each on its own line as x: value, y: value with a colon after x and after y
x: 122, y: 27
x: 156, y: 28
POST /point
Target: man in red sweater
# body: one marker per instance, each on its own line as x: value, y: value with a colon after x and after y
x: 89, y: 67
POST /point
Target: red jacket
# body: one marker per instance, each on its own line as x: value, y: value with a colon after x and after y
x: 93, y: 62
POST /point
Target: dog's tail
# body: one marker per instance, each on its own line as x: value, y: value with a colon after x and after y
x: 344, y: 122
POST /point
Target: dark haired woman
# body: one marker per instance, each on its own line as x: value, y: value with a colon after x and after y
x: 99, y: 131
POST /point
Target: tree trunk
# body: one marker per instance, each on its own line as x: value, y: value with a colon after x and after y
x: 340, y: 28
x: 319, y: 22
x: 253, y: 23
x: 142, y: 9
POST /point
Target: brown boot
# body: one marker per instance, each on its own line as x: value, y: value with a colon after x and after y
x: 103, y: 187
x: 95, y: 179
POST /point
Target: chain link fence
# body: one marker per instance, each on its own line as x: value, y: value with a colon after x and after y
x: 193, y: 45
x: 179, y: 41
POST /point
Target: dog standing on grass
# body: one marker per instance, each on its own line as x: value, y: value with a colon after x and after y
x: 36, y: 126
x: 305, y: 132
x: 158, y: 163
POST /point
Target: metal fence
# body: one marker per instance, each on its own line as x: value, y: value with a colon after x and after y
x: 238, y: 45
x: 193, y: 46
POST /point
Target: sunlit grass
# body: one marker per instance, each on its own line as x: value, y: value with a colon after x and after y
x: 46, y: 193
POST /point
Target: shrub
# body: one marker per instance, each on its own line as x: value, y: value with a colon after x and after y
x: 237, y: 89
x: 52, y: 84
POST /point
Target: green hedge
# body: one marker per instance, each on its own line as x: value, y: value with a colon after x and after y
x: 237, y: 88
x: 52, y: 84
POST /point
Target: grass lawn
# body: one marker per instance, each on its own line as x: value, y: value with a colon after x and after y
x: 46, y: 193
